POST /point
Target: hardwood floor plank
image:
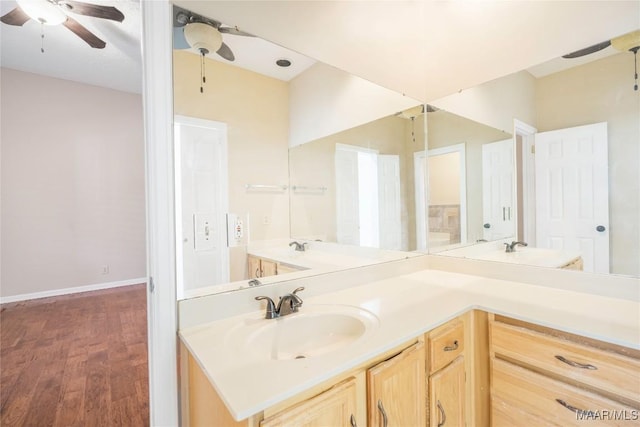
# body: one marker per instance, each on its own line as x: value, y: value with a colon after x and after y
x: 75, y: 360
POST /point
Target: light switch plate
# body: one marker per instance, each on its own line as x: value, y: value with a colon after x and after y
x: 204, y: 228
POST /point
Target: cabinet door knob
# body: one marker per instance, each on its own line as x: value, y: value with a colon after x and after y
x: 452, y: 347
x: 487, y: 225
x: 385, y: 421
x: 600, y: 228
x: 352, y: 421
x: 443, y: 415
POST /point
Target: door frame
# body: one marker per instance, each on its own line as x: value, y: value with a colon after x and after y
x: 162, y: 323
x: 527, y: 166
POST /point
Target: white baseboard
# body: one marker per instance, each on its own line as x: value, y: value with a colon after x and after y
x: 74, y: 290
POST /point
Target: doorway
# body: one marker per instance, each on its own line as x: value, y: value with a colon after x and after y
x: 368, y: 206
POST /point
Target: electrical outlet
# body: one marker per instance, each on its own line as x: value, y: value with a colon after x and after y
x: 105, y: 269
x: 265, y: 220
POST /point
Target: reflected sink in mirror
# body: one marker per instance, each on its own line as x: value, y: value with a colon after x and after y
x: 532, y: 256
x: 314, y: 331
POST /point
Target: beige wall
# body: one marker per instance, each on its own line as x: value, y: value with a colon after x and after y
x: 597, y: 92
x: 325, y: 100
x: 313, y: 164
x: 444, y: 179
x: 496, y: 103
x: 73, y: 195
x: 255, y: 109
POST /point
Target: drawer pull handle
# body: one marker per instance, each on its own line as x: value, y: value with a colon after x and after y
x: 576, y: 364
x: 352, y: 421
x: 443, y: 416
x: 383, y: 412
x: 574, y: 409
x: 452, y: 347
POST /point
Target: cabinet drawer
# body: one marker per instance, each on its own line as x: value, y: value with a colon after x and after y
x: 555, y: 402
x: 506, y: 415
x: 608, y: 372
x: 445, y: 345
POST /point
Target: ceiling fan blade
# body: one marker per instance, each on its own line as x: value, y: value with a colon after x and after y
x: 16, y: 17
x: 86, y: 35
x: 94, y: 10
x: 225, y: 52
x: 587, y: 50
x: 234, y: 31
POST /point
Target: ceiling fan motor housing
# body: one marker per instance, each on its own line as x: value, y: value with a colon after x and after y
x: 203, y: 37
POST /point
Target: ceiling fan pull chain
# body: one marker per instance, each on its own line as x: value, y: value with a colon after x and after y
x: 635, y: 65
x: 41, y: 37
x: 203, y: 79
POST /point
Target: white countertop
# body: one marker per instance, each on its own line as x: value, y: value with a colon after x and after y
x: 406, y: 307
x: 525, y: 255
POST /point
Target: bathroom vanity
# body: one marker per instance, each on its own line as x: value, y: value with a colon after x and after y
x: 460, y: 349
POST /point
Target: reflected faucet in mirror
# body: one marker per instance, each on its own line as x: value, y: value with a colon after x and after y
x: 511, y: 247
x: 301, y: 247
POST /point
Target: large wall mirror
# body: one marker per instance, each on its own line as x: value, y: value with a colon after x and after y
x: 563, y: 177
x: 256, y: 141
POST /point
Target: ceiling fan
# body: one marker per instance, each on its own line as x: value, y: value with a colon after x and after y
x: 628, y: 42
x: 54, y: 12
x: 203, y: 34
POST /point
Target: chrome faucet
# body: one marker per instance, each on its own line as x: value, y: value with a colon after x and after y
x: 287, y: 304
x: 511, y: 247
x: 299, y: 246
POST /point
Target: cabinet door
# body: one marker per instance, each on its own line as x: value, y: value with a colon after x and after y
x: 268, y: 268
x: 334, y: 407
x: 254, y: 267
x: 446, y: 393
x: 397, y: 390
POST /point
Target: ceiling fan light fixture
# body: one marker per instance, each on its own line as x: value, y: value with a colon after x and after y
x: 203, y: 37
x: 43, y: 11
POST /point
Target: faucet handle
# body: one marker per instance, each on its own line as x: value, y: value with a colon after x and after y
x: 271, y: 313
x: 300, y: 289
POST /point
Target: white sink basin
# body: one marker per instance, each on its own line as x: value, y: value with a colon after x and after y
x: 313, y: 331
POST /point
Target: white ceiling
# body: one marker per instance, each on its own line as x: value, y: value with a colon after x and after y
x: 429, y: 49
x: 117, y: 66
x: 425, y: 49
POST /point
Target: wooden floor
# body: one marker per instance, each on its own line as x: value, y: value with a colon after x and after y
x: 75, y: 360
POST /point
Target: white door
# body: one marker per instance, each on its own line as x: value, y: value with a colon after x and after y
x: 498, y: 193
x: 201, y: 193
x: 347, y: 211
x: 572, y: 196
x: 390, y: 220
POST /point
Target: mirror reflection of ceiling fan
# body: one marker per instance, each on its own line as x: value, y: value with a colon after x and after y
x: 191, y: 30
x: 628, y: 42
x: 55, y: 12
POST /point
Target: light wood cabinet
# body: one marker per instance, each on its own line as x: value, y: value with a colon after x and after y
x: 447, y: 395
x: 560, y: 379
x: 334, y: 407
x: 448, y: 387
x: 396, y: 390
x: 260, y: 267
